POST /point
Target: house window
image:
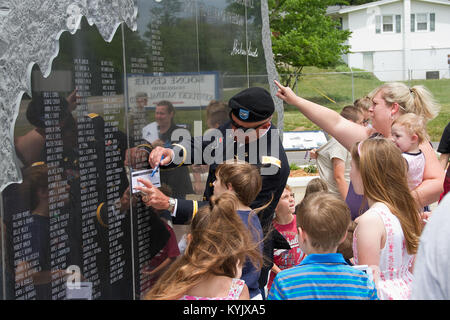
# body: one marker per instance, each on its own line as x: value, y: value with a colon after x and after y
x: 398, y: 23
x: 423, y: 22
x: 387, y: 24
x: 377, y: 24
x: 432, y: 22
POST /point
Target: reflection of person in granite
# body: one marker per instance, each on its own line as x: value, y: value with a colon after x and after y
x: 110, y: 186
x: 252, y: 111
x: 177, y: 179
x: 217, y: 114
x: 31, y: 150
x: 141, y: 101
x: 115, y: 213
x: 135, y: 156
x: 84, y: 158
x: 149, y: 237
x: 137, y: 119
x: 35, y: 191
x: 14, y: 209
x: 112, y: 216
x: 162, y: 260
x: 30, y: 147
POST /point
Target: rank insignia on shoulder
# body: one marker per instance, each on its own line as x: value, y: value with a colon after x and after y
x: 92, y: 115
x: 268, y: 160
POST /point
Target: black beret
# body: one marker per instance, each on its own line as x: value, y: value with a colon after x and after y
x: 252, y: 105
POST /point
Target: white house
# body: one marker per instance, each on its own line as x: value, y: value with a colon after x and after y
x: 398, y: 39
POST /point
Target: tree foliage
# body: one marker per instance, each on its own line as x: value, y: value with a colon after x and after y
x: 302, y: 35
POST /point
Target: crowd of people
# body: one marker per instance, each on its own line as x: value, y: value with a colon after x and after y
x: 370, y: 236
x: 363, y: 229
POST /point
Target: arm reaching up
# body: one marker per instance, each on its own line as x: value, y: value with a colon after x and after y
x: 343, y: 130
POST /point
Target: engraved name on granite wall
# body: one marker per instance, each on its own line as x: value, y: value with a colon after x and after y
x: 86, y: 90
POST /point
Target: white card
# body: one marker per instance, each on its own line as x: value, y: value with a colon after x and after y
x: 144, y: 174
x: 79, y: 291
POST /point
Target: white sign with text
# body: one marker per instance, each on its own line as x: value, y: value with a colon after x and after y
x: 183, y: 90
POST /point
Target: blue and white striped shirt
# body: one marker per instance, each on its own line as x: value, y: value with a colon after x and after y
x: 322, y: 277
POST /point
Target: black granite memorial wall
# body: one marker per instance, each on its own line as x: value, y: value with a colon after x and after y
x: 71, y: 228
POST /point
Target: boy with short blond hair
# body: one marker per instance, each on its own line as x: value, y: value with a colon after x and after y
x: 322, y: 221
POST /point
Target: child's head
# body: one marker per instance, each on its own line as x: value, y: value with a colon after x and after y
x: 218, y: 234
x: 313, y: 186
x: 379, y: 171
x: 217, y: 113
x: 238, y: 176
x: 364, y: 105
x: 316, y: 185
x: 323, y: 220
x: 408, y: 131
x: 377, y: 164
x: 286, y: 204
x: 218, y: 244
x: 353, y: 114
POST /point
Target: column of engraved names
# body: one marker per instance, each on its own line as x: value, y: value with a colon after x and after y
x: 114, y: 169
x: 88, y: 176
x: 156, y: 45
x: 143, y: 221
x: 138, y: 116
x: 26, y: 262
x: 143, y: 217
x: 140, y: 66
x: 58, y: 194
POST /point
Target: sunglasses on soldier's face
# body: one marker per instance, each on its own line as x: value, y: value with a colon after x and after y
x: 237, y: 126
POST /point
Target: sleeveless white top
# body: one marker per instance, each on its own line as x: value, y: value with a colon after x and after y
x: 237, y: 285
x: 395, y: 262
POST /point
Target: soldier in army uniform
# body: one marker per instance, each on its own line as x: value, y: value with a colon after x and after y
x: 248, y: 136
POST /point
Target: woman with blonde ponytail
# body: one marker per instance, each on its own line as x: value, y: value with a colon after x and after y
x: 211, y: 266
x: 387, y: 235
x: 389, y: 101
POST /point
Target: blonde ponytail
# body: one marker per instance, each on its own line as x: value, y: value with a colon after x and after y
x: 417, y: 99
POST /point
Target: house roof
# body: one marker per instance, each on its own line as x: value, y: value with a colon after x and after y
x: 347, y: 9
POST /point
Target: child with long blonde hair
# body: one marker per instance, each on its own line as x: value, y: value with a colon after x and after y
x: 210, y: 268
x: 386, y: 235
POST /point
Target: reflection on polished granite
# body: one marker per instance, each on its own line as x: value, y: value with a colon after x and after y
x: 82, y: 103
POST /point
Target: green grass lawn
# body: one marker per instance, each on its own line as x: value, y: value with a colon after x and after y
x: 335, y: 91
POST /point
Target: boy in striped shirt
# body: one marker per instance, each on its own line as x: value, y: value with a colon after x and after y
x: 322, y: 221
